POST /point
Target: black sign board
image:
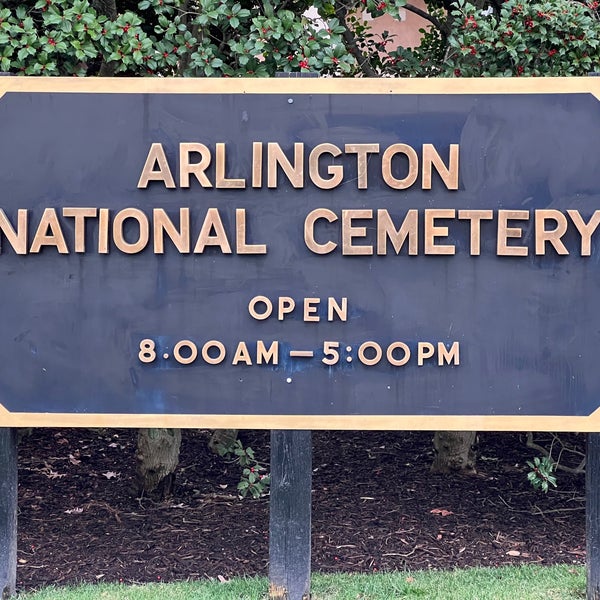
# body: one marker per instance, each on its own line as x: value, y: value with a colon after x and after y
x: 311, y: 254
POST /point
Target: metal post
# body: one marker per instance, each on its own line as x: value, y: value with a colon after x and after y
x: 290, y: 515
x: 8, y: 511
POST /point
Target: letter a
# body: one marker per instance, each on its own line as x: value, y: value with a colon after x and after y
x: 156, y: 155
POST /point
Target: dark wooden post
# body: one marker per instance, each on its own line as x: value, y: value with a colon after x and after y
x: 8, y: 511
x: 290, y: 504
x: 290, y: 515
x: 592, y: 515
x: 592, y: 505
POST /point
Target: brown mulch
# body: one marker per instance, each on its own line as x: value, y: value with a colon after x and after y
x: 376, y: 506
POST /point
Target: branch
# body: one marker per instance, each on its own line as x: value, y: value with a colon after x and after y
x: 348, y: 35
x: 580, y: 468
x: 443, y: 27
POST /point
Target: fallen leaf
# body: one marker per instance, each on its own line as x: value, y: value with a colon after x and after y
x: 110, y: 474
x: 22, y: 561
x: 410, y: 580
x: 100, y: 576
x: 441, y: 511
x: 513, y: 553
x: 222, y: 579
x: 74, y: 511
x: 73, y: 460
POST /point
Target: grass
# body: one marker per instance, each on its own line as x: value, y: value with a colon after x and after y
x: 530, y: 582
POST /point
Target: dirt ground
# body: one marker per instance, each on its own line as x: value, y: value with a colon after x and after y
x: 376, y: 506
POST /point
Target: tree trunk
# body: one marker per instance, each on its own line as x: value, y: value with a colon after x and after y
x: 222, y: 438
x: 157, y: 458
x: 454, y: 452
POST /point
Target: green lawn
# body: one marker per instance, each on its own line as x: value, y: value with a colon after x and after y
x: 562, y: 582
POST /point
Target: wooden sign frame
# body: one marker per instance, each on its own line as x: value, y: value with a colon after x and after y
x: 294, y: 92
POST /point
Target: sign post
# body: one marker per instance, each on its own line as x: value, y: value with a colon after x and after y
x: 592, y: 516
x: 290, y: 515
x: 8, y: 511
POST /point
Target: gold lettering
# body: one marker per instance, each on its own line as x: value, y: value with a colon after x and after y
x: 144, y: 230
x: 340, y: 310
x: 398, y: 362
x: 220, y: 180
x: 80, y: 215
x: 311, y: 306
x: 260, y: 316
x: 241, y: 355
x: 49, y: 233
x: 103, y: 218
x: 257, y: 157
x: 425, y: 350
x: 156, y: 155
x: 240, y: 236
x: 265, y: 356
x: 17, y: 239
x: 285, y: 306
x: 362, y: 151
x: 386, y: 166
x: 408, y: 230
x: 449, y: 174
x: 335, y: 171
x: 309, y: 230
x: 432, y: 232
x: 294, y: 173
x: 505, y: 232
x: 475, y: 217
x: 212, y: 222
x: 187, y: 168
x: 162, y: 224
x: 349, y: 232
x: 586, y: 230
x: 448, y: 355
x: 543, y: 235
x: 370, y: 345
x: 220, y: 352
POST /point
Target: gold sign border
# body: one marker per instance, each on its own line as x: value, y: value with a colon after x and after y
x: 157, y: 85
x: 166, y: 85
x: 316, y: 422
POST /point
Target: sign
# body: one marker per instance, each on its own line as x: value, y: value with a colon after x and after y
x: 387, y: 254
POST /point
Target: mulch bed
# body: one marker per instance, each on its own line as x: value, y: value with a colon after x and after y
x: 376, y: 506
